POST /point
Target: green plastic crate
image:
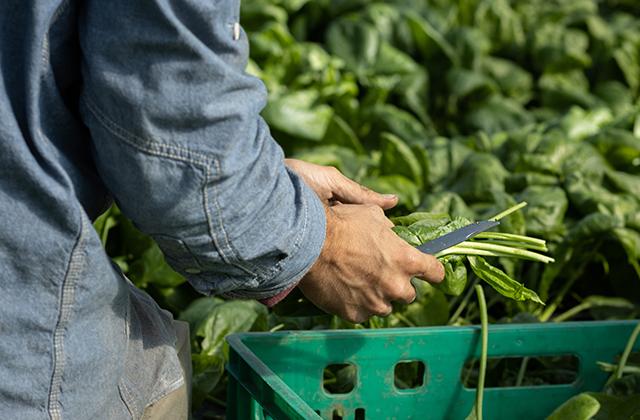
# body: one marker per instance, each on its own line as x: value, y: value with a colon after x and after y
x: 279, y: 375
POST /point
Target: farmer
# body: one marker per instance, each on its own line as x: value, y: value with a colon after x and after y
x: 146, y: 103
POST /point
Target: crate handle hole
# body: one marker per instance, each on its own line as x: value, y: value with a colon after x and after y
x: 528, y: 371
x: 409, y: 374
x: 339, y: 378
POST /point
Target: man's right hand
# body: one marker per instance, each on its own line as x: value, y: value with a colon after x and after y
x: 364, y: 265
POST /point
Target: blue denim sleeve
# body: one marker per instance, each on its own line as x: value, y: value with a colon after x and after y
x: 178, y: 140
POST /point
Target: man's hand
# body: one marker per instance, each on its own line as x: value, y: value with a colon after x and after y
x: 331, y: 186
x: 364, y: 265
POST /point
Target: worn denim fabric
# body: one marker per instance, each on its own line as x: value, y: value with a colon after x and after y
x: 144, y: 102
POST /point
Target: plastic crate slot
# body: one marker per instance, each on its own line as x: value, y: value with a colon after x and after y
x: 338, y: 414
x: 504, y: 372
x: 359, y: 414
x: 409, y: 374
x: 339, y: 378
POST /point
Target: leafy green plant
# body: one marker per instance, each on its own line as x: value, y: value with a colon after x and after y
x: 462, y: 108
x: 418, y: 228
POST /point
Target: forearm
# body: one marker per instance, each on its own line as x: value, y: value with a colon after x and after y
x: 178, y: 140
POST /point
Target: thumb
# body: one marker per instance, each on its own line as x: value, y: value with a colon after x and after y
x: 425, y: 266
x: 350, y: 192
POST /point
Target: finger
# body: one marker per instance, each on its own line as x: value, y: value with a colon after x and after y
x: 382, y: 309
x: 348, y: 191
x: 424, y: 266
x: 406, y: 293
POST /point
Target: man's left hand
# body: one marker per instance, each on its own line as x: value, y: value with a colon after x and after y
x: 333, y: 187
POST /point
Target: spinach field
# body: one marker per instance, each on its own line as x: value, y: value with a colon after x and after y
x: 463, y: 108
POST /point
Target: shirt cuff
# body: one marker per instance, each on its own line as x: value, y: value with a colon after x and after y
x: 277, y: 282
x: 273, y: 300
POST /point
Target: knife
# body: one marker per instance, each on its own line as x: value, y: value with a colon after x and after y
x: 454, y: 238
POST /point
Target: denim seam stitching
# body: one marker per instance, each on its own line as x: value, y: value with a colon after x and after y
x: 174, y: 386
x: 220, y: 222
x: 125, y: 393
x: 152, y: 147
x: 125, y: 396
x: 128, y: 138
x: 207, y: 211
x: 44, y: 49
x: 67, y: 298
x: 129, y: 399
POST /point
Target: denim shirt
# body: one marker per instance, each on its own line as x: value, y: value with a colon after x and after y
x: 145, y: 103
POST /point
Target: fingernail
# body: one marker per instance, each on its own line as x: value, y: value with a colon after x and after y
x: 389, y: 196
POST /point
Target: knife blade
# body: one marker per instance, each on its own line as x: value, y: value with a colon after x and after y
x: 453, y: 238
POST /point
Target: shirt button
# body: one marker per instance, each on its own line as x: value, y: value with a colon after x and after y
x: 192, y: 271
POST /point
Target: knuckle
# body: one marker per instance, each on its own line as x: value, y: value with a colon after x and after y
x: 333, y: 171
x: 410, y: 260
x: 405, y: 293
x: 376, y: 210
x: 435, y: 269
x: 381, y: 309
x: 409, y: 295
x: 355, y: 317
x: 397, y: 292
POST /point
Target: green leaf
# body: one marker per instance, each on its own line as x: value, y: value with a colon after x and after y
x: 392, y: 61
x: 522, y: 180
x: 501, y: 282
x: 430, y: 42
x: 105, y: 223
x: 430, y: 229
x: 624, y: 182
x: 346, y: 160
x: 479, y: 176
x: 298, y: 114
x: 430, y: 307
x: 407, y: 234
x: 545, y: 212
x: 463, y: 83
x: 455, y: 276
x: 581, y: 407
x: 151, y: 268
x: 593, y: 226
x: 514, y: 222
x: 340, y: 133
x: 398, y: 159
x: 558, y: 49
x: 630, y: 241
x: 433, y: 219
x: 407, y: 191
x: 207, y: 373
x: 447, y: 202
x: 620, y: 147
x: 446, y: 157
x: 496, y: 114
x: 627, y: 56
x: 227, y: 318
x: 513, y: 81
x: 563, y: 90
x: 388, y: 118
x: 356, y: 42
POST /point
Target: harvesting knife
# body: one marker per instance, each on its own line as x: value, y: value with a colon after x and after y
x: 454, y: 238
